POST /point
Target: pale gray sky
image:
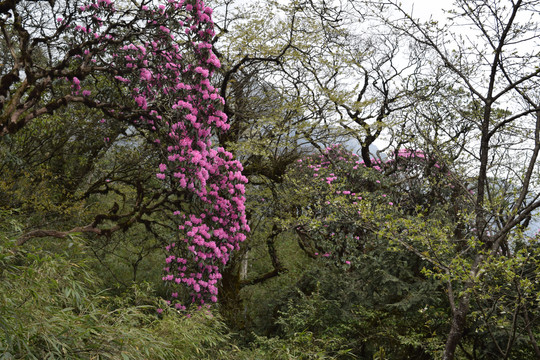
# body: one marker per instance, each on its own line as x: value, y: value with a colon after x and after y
x: 425, y: 8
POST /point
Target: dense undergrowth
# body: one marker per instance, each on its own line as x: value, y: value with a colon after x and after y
x: 54, y: 305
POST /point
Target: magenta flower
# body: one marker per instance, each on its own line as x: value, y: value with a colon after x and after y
x: 146, y: 74
x: 155, y: 70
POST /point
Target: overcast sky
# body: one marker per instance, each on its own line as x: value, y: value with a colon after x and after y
x: 424, y: 8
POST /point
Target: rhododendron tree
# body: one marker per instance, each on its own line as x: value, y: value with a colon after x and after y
x: 348, y: 214
x: 149, y: 67
x: 352, y: 203
x: 338, y: 218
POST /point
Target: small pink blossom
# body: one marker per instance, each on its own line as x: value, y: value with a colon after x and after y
x: 146, y: 75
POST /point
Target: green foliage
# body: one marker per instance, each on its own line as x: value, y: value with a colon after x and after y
x: 71, y: 170
x: 373, y: 307
x: 366, y: 276
x: 51, y: 307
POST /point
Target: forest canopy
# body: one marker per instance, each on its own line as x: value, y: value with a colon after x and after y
x: 182, y: 180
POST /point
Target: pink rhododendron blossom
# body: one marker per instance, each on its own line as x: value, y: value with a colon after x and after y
x: 146, y: 74
x: 323, y: 220
x: 151, y: 71
x: 141, y: 101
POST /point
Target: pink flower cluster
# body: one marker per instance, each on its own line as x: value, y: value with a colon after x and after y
x: 168, y: 72
x: 345, y: 178
x: 344, y: 184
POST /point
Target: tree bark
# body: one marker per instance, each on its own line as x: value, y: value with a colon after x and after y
x: 459, y: 316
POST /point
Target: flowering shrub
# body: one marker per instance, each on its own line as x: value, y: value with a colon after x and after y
x: 350, y: 204
x: 341, y: 209
x: 161, y: 59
